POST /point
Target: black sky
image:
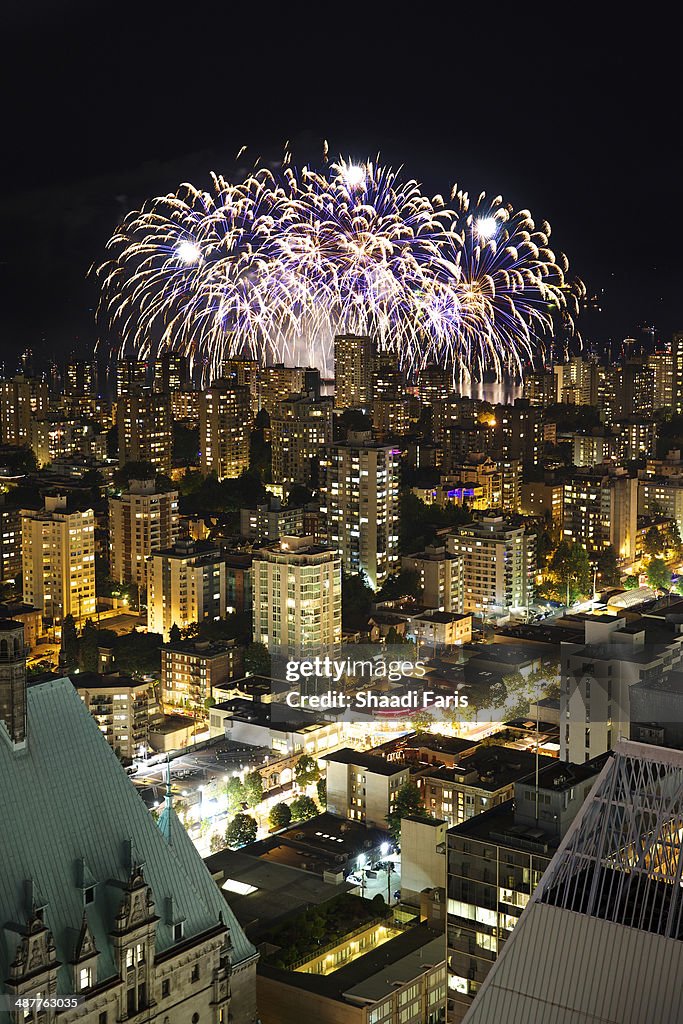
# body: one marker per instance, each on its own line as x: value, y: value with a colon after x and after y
x: 104, y: 105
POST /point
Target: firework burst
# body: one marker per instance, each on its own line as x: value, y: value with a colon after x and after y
x: 275, y: 265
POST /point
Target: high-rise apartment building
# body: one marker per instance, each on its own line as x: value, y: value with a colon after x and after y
x: 353, y: 371
x: 500, y: 565
x: 598, y: 674
x: 662, y: 365
x: 441, y: 578
x: 224, y: 422
x: 360, y: 500
x: 601, y: 508
x: 297, y: 598
x: 21, y: 399
x: 80, y: 378
x: 391, y: 416
x: 301, y: 429
x: 170, y: 373
x: 388, y: 380
x: 245, y: 372
x: 518, y: 432
x: 145, y: 430
x: 10, y: 541
x: 58, y: 558
x: 185, y: 584
x: 141, y: 520
x: 130, y: 377
x: 279, y: 382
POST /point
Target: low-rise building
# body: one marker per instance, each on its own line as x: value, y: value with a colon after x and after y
x: 441, y: 629
x: 363, y: 787
x: 440, y: 577
x: 191, y: 669
x: 423, y: 856
x: 120, y: 706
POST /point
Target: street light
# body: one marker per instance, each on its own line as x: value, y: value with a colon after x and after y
x: 361, y: 868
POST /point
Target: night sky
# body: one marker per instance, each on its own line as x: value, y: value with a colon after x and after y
x: 105, y: 104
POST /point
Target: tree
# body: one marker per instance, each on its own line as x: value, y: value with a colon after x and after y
x: 608, y: 568
x: 653, y: 542
x: 405, y: 583
x: 253, y: 789
x: 421, y: 720
x: 569, y: 572
x: 236, y: 796
x: 174, y: 633
x: 298, y: 496
x: 659, y: 575
x: 89, y: 654
x: 280, y: 816
x: 303, y: 807
x: 256, y: 660
x: 321, y: 787
x: 306, y: 771
x: 68, y: 654
x: 357, y: 598
x: 241, y: 830
x: 408, y: 801
x: 217, y: 843
x: 631, y: 582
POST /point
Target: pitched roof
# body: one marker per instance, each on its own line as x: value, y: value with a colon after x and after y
x: 71, y: 815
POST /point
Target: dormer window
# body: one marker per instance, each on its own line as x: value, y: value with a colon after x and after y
x: 178, y: 932
x: 89, y: 895
x: 84, y: 978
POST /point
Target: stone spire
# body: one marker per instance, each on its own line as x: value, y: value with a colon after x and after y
x: 13, y: 680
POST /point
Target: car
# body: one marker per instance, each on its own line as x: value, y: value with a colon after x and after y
x: 397, y: 894
x: 353, y: 879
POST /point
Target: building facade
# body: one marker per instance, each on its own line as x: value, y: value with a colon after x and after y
x: 185, y: 584
x: 224, y: 422
x: 500, y: 565
x: 141, y: 520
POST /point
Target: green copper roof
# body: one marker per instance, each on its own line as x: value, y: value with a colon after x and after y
x: 70, y: 818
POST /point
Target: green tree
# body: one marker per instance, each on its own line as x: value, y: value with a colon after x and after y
x: 659, y: 575
x: 631, y: 582
x: 257, y: 660
x: 68, y: 654
x: 321, y: 787
x: 357, y: 598
x: 303, y: 807
x: 253, y: 789
x: 421, y: 720
x: 241, y: 830
x: 405, y: 583
x: 653, y: 542
x: 236, y: 796
x: 569, y: 572
x: 174, y: 633
x: 408, y: 801
x: 185, y: 444
x: 298, y: 496
x: 306, y: 771
x: 608, y: 568
x: 280, y: 816
x: 88, y: 648
x: 217, y: 843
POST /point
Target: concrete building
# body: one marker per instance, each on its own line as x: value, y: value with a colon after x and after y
x: 399, y: 977
x: 597, y: 677
x: 245, y: 372
x: 441, y: 630
x: 662, y: 366
x: 224, y: 422
x: 31, y: 619
x: 141, y: 520
x: 145, y: 432
x: 58, y: 558
x: 170, y: 373
x: 542, y: 500
x: 662, y: 495
x: 289, y: 732
x: 271, y: 521
x: 441, y: 578
x: 81, y: 378
x: 185, y: 584
x: 601, y: 508
x: 116, y: 907
x: 278, y: 382
x: 600, y: 936
x: 21, y: 399
x: 495, y: 861
x: 192, y: 669
x: 130, y: 377
x: 360, y: 500
x: 423, y: 856
x: 518, y: 432
x: 477, y: 781
x: 297, y: 598
x: 363, y: 787
x: 391, y: 416
x: 656, y: 710
x: 500, y: 564
x: 10, y: 540
x: 120, y: 706
x: 301, y: 428
x: 353, y: 372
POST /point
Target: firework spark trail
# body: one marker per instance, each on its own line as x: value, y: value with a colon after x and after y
x: 275, y: 265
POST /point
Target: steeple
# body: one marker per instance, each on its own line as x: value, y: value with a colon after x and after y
x: 13, y: 680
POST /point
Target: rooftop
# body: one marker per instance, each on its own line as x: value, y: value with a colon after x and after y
x: 370, y: 762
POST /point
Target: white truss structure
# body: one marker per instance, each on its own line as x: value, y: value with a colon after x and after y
x: 622, y: 859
